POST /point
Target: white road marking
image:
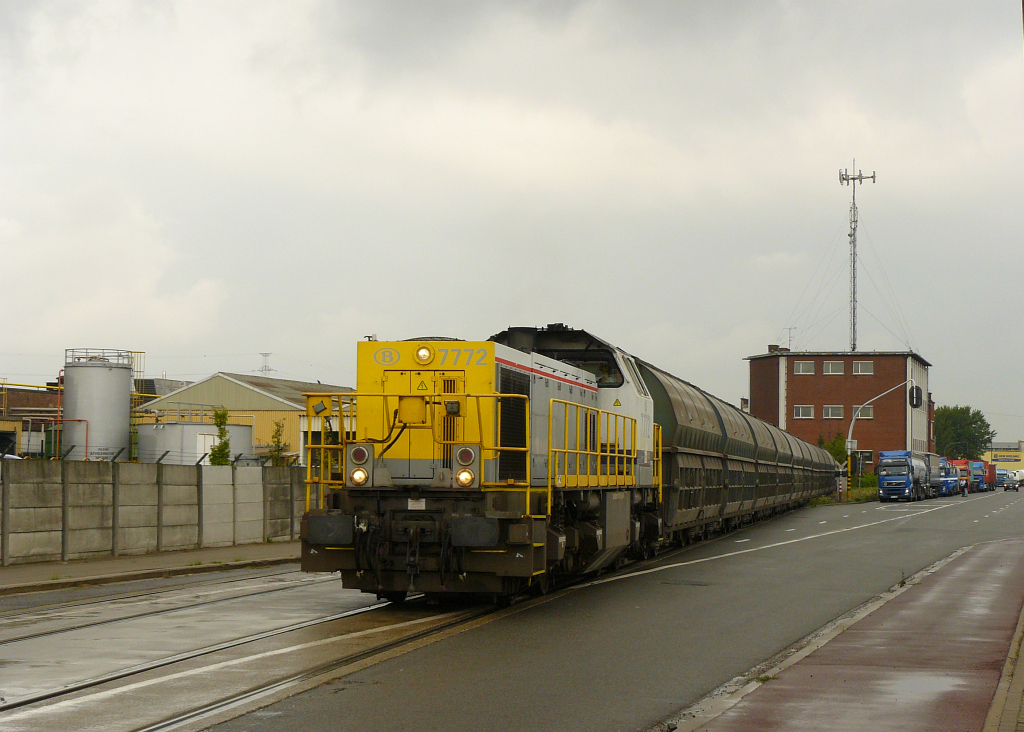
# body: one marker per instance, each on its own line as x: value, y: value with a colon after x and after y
x: 790, y: 529
x: 846, y: 516
x: 740, y: 541
x: 823, y: 522
x: 736, y: 553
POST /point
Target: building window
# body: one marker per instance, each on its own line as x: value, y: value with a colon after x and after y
x: 833, y: 367
x: 803, y: 367
x: 833, y: 411
x: 803, y: 411
x: 863, y: 367
x: 867, y: 412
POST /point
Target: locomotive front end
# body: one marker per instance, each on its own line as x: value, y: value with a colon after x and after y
x: 420, y: 479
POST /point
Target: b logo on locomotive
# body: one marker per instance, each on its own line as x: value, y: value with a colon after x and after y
x: 386, y: 356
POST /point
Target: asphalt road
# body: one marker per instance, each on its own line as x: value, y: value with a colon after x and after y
x: 627, y: 650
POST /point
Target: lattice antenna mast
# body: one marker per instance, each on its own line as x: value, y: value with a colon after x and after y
x: 265, y: 369
x: 847, y: 178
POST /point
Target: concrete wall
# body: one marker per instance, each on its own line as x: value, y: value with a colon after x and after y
x: 52, y: 510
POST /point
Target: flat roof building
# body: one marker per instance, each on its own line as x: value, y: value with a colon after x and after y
x: 813, y: 394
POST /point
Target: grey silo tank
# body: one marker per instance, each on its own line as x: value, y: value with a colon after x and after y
x: 98, y: 389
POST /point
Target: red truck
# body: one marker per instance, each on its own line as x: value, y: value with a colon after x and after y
x: 963, y: 467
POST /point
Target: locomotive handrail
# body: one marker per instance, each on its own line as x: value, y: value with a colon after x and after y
x: 656, y: 461
x: 605, y: 441
x: 319, y: 454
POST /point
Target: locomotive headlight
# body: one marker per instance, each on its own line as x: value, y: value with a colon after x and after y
x: 465, y: 456
x: 465, y: 477
x: 424, y: 354
x: 358, y: 476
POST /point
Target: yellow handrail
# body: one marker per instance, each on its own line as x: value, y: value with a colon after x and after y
x: 320, y: 456
x: 609, y: 455
x: 656, y: 461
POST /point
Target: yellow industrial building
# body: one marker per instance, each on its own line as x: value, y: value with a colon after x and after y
x: 253, y: 400
x: 1008, y: 455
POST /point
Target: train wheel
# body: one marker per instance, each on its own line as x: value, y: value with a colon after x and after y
x: 541, y: 585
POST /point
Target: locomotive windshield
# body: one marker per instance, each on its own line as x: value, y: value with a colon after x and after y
x: 601, y: 365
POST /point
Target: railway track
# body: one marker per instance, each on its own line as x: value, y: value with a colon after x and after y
x: 224, y: 675
x: 60, y: 699
x: 309, y: 675
x: 45, y: 607
x: 175, y: 659
x: 162, y: 611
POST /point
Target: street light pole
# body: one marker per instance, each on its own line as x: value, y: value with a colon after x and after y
x: 849, y: 435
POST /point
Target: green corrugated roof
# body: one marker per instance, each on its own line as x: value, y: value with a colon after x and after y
x: 245, y: 392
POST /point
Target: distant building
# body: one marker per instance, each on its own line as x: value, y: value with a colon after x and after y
x: 25, y: 414
x: 257, y: 401
x: 1009, y: 455
x: 814, y: 394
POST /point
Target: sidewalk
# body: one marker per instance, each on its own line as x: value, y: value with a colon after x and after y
x: 56, y: 575
x: 939, y: 655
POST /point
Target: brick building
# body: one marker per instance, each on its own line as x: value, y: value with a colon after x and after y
x: 813, y: 394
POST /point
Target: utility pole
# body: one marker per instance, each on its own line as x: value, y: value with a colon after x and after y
x: 847, y: 178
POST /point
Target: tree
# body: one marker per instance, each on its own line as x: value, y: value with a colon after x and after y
x: 277, y: 445
x: 962, y: 432
x: 220, y: 454
x: 836, y: 447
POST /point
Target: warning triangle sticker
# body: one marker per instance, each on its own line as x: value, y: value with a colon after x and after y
x: 422, y: 386
x: 617, y: 403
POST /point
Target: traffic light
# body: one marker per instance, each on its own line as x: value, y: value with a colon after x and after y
x: 916, y: 396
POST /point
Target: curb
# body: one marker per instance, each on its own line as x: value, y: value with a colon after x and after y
x: 1006, y: 704
x: 720, y: 700
x: 104, y: 579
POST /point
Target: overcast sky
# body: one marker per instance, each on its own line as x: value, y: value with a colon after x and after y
x: 205, y: 181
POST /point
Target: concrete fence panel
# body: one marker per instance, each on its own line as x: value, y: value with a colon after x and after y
x: 52, y: 510
x: 33, y: 511
x: 179, y: 486
x: 88, y: 509
x: 137, y: 508
x: 248, y: 505
x: 218, y: 505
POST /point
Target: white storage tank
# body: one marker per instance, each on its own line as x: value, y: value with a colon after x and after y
x: 97, y: 403
x: 187, y: 443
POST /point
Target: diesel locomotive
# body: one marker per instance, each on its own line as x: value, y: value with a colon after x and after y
x: 507, y: 465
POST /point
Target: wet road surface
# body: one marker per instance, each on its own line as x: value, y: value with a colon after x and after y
x: 627, y: 650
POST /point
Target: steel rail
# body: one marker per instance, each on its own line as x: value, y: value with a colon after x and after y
x: 164, y: 611
x: 178, y: 658
x: 16, y: 613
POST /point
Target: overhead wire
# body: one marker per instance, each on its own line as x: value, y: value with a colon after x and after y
x: 905, y: 338
x: 899, y: 315
x: 829, y: 251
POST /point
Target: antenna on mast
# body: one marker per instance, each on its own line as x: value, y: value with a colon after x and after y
x: 847, y: 178
x: 265, y: 369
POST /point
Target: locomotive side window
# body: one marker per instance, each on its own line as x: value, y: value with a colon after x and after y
x: 634, y: 375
